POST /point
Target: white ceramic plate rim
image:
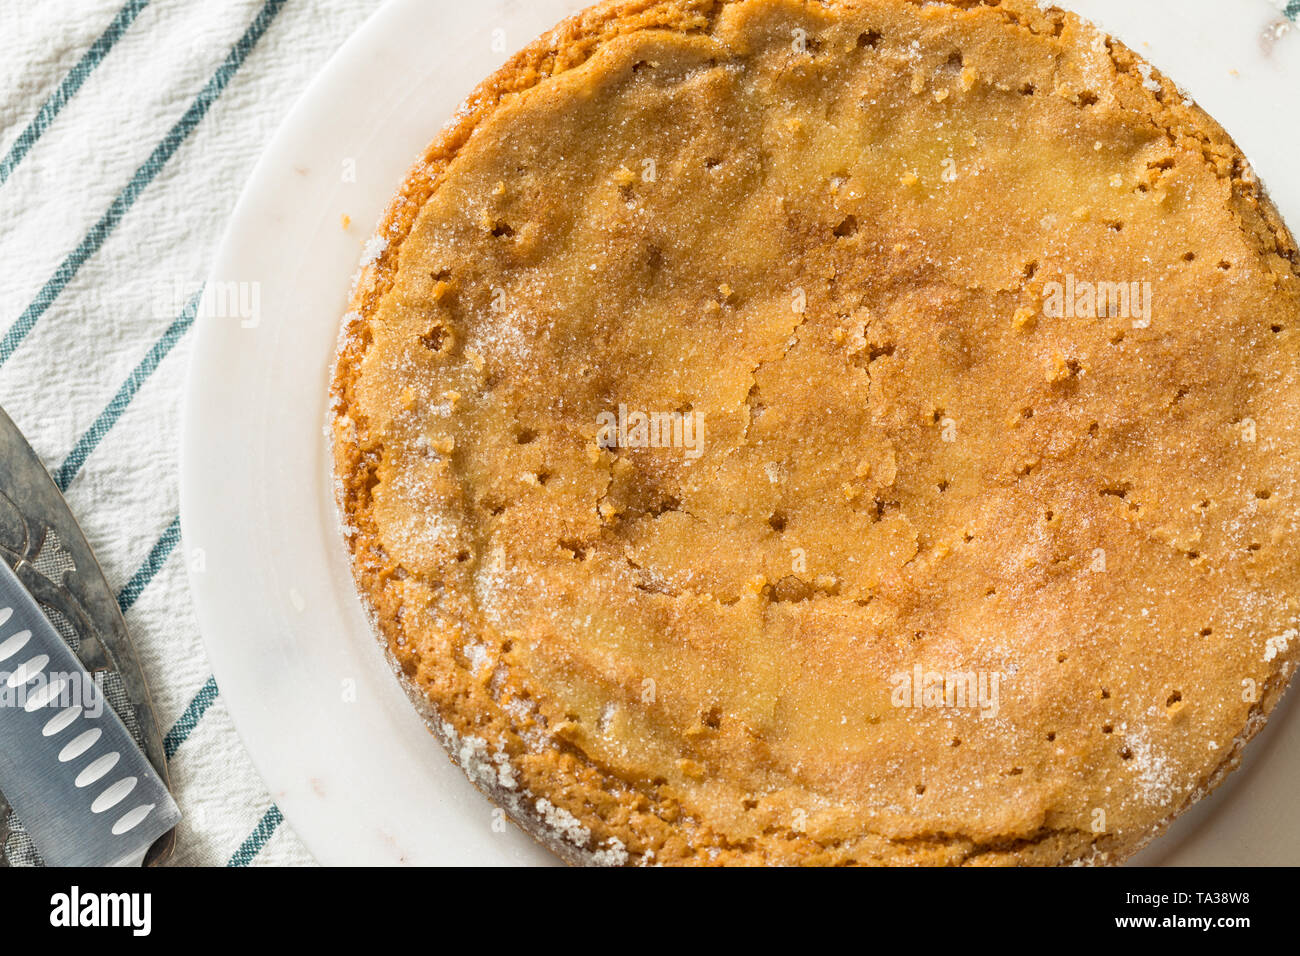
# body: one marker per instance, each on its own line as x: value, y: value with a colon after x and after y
x: 340, y: 748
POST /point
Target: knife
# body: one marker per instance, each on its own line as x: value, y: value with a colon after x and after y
x: 81, y: 756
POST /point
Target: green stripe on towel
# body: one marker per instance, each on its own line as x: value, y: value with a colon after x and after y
x: 69, y: 87
x: 164, y: 151
x: 187, y: 721
x: 113, y: 411
x: 158, y: 556
x: 258, y: 838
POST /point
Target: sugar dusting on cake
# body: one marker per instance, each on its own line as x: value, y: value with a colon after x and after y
x: 1279, y: 645
x: 1153, y: 774
x: 375, y: 247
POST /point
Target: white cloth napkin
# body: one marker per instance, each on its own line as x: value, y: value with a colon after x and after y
x: 127, y: 130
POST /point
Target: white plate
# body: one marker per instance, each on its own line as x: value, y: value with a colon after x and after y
x: 340, y: 747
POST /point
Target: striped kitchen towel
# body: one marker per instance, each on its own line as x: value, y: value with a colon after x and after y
x: 127, y: 130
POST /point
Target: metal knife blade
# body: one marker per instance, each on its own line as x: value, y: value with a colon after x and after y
x: 68, y: 766
x: 42, y: 543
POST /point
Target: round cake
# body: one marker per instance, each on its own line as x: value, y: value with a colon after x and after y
x: 856, y: 431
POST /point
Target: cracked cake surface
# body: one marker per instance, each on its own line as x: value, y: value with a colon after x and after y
x: 859, y: 431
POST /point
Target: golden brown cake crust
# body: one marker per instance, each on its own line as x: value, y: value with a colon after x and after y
x: 852, y: 240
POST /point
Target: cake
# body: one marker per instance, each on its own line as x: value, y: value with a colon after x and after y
x: 842, y: 432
